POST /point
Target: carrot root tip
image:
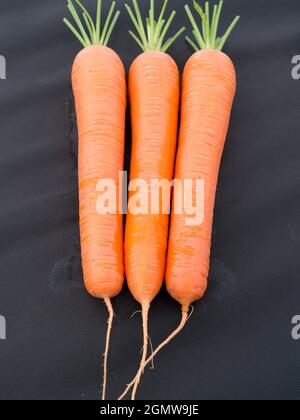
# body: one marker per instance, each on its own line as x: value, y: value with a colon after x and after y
x: 105, y: 355
x: 184, y: 318
x: 145, y: 312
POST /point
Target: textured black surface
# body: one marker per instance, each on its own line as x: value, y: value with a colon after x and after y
x: 238, y: 343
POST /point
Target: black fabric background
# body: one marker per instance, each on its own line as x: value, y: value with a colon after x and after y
x: 238, y: 344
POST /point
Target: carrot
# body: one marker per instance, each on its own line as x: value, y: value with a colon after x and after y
x: 209, y: 86
x: 154, y: 97
x: 99, y: 86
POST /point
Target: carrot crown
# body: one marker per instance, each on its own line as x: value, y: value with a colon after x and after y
x: 207, y: 35
x: 151, y: 35
x: 90, y: 32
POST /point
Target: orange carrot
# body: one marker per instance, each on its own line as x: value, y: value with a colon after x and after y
x: 154, y: 98
x: 98, y: 80
x: 209, y: 85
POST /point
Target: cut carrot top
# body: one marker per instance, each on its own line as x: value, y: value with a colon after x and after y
x: 151, y: 37
x: 89, y: 32
x: 207, y: 36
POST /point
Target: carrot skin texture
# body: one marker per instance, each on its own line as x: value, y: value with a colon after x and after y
x: 209, y: 86
x: 154, y: 89
x: 99, y: 86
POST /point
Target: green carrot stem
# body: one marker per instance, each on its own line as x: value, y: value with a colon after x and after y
x: 206, y: 33
x: 151, y: 33
x: 88, y: 31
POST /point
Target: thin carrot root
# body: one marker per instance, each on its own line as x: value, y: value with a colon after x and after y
x: 145, y: 312
x: 180, y: 327
x: 152, y: 351
x: 108, y: 333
